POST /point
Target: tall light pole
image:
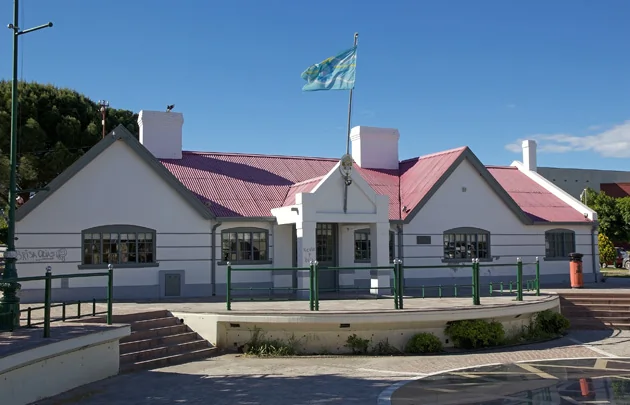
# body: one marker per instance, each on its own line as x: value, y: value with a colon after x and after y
x: 10, y: 303
x: 104, y: 104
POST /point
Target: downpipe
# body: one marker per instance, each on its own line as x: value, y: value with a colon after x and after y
x: 213, y: 258
x: 593, y: 255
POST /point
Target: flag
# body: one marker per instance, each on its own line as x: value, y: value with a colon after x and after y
x: 335, y: 73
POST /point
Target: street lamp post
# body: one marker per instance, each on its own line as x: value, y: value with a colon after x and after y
x: 10, y: 303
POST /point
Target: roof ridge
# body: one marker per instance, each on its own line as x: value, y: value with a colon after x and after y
x: 260, y: 155
x: 435, y: 154
x: 312, y: 179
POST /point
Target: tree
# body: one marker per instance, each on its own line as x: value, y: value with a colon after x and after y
x: 55, y: 127
x: 607, y: 252
x: 612, y: 221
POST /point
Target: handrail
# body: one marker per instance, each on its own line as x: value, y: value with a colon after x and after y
x: 47, y: 278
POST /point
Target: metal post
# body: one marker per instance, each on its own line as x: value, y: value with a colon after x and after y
x: 474, y: 283
x: 10, y: 302
x: 395, y: 283
x: 110, y: 293
x: 401, y: 284
x: 316, y: 283
x: 311, y: 297
x: 519, y: 279
x: 228, y: 295
x: 537, y: 276
x: 47, y: 299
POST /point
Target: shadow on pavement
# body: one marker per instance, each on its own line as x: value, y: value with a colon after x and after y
x: 154, y: 387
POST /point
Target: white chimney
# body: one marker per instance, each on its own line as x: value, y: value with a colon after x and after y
x: 161, y: 133
x: 529, y: 155
x: 375, y: 148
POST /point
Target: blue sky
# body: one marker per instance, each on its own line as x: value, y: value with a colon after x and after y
x: 446, y: 73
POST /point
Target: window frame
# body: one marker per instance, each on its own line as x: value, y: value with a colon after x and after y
x: 559, y: 231
x: 118, y: 229
x: 249, y: 230
x: 366, y: 231
x: 468, y: 231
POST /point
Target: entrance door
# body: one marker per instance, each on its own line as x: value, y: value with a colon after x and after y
x: 326, y: 255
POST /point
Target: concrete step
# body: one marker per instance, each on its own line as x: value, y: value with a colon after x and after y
x: 596, y: 324
x: 598, y: 300
x: 154, y: 323
x: 159, y: 341
x: 593, y: 294
x: 163, y: 351
x: 124, y: 318
x: 156, y: 332
x: 587, y: 312
x: 172, y: 360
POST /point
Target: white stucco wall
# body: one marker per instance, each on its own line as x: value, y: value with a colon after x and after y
x: 117, y: 187
x: 480, y: 207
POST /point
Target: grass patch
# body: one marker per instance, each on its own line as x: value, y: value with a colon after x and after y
x: 618, y: 273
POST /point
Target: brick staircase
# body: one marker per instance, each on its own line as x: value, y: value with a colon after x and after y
x: 595, y: 310
x: 158, y: 339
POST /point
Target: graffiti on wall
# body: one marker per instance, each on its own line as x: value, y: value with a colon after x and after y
x: 42, y: 255
x: 308, y: 254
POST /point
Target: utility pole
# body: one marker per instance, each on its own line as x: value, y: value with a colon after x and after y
x: 10, y: 303
x: 104, y: 105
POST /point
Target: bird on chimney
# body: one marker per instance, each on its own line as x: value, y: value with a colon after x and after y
x: 170, y: 107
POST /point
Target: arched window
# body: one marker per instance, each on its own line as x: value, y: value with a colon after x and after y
x: 559, y: 243
x: 245, y: 245
x: 363, y: 249
x: 119, y: 245
x: 466, y: 244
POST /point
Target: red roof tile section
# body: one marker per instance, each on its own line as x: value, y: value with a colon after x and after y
x: 245, y: 185
x: 538, y: 203
x: 617, y: 190
x: 303, y: 187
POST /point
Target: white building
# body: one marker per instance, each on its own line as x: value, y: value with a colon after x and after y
x: 169, y: 220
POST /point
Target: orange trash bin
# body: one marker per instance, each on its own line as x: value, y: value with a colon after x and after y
x: 575, y: 268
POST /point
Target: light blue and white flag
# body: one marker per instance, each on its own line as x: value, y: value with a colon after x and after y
x: 335, y: 73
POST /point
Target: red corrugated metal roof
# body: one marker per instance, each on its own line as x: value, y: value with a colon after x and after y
x: 302, y: 187
x: 617, y: 190
x: 538, y: 203
x: 419, y: 175
x: 246, y: 185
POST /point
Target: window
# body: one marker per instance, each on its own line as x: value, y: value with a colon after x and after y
x: 362, y: 248
x: 463, y: 244
x: 559, y: 243
x: 244, y: 245
x: 120, y: 245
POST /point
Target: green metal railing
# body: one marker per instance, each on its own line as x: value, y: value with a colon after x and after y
x: 397, y: 289
x: 48, y: 305
x: 271, y: 290
x: 516, y: 287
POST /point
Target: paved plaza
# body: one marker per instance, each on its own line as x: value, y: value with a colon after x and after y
x: 235, y: 379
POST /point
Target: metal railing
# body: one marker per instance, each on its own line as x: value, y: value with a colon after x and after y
x: 515, y: 287
x: 397, y: 289
x: 271, y: 290
x: 48, y: 305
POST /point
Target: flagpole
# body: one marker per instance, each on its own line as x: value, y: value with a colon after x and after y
x: 356, y: 38
x: 347, y: 180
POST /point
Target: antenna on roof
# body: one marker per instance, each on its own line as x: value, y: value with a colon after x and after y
x: 170, y: 107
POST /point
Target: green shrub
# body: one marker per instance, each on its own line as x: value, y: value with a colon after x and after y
x: 357, y: 345
x: 551, y: 323
x: 424, y: 343
x: 474, y: 334
x: 258, y: 345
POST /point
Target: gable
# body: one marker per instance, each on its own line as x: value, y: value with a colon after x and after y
x: 329, y: 194
x: 119, y: 141
x: 465, y: 198
x: 476, y: 168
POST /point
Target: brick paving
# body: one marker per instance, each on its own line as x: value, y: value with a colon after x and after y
x: 235, y: 379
